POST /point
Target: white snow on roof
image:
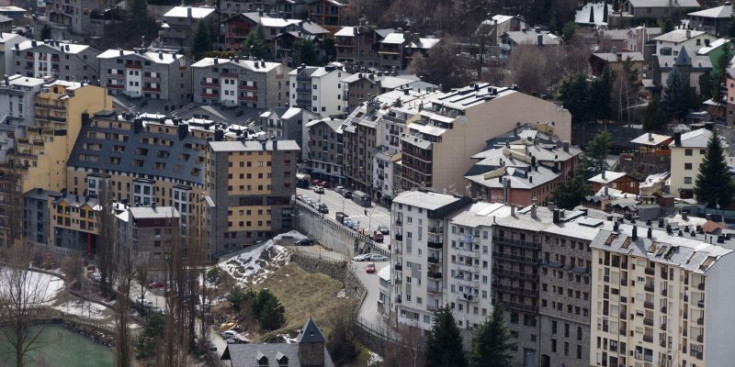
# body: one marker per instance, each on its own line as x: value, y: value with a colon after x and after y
x: 183, y: 12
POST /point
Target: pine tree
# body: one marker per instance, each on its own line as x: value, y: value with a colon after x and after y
x: 600, y: 94
x: 138, y: 16
x: 491, y: 345
x: 594, y: 158
x: 45, y: 32
x: 202, y: 41
x: 574, y: 93
x: 655, y: 118
x: 571, y: 192
x: 254, y: 45
x: 714, y: 186
x: 305, y: 52
x: 676, y: 102
x: 592, y: 13
x: 444, y: 344
x: 616, y: 6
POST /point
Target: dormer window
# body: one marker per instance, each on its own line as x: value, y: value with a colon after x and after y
x: 262, y: 359
x: 282, y: 359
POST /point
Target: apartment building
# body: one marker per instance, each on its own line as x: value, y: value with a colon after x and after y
x: 286, y: 123
x: 418, y: 256
x: 358, y: 46
x: 180, y: 24
x: 61, y: 60
x: 249, y: 185
x: 329, y: 13
x: 323, y: 152
x: 278, y: 31
x: 36, y: 215
x: 367, y: 84
x: 318, y: 89
x: 437, y: 147
x: 661, y: 297
x: 240, y: 82
x: 7, y: 44
x: 74, y: 223
x: 146, y: 74
x: 61, y: 108
x: 17, y: 94
x: 372, y: 135
x: 670, y: 44
x: 76, y: 16
x: 687, y: 151
x: 148, y: 160
x: 397, y: 50
x: 148, y: 232
x: 234, y: 7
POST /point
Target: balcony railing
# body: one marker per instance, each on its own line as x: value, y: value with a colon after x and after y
x: 648, y: 287
x: 515, y: 274
x: 399, y: 237
x: 436, y: 230
x: 399, y: 267
x: 700, y: 321
x: 433, y: 289
x: 623, y: 315
x: 516, y: 290
x: 517, y: 258
x: 648, y: 305
x: 467, y: 297
x: 434, y: 245
x: 700, y: 286
x: 664, y: 292
x: 517, y: 243
x: 648, y: 338
x: 434, y: 274
x: 648, y: 322
x: 650, y: 271
x: 700, y: 303
x: 700, y: 338
x: 433, y: 259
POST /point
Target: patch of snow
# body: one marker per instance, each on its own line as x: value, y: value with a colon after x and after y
x: 342, y: 294
x: 287, y: 339
x: 583, y: 16
x: 253, y: 265
x: 41, y: 289
x: 83, y: 308
x: 374, y: 359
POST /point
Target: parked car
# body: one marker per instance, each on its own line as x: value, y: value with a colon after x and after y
x: 228, y: 334
x: 363, y: 257
x: 347, y: 194
x: 305, y: 242
x: 154, y: 285
x: 377, y: 257
x: 377, y: 237
x: 370, y: 268
x: 143, y: 302
x: 339, y: 189
x: 319, y: 190
x: 323, y: 208
x: 384, y: 230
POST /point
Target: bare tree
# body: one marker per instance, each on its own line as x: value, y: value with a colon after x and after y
x: 142, y: 274
x: 527, y: 69
x: 107, y: 250
x: 23, y: 294
x: 409, y: 351
x: 123, y: 338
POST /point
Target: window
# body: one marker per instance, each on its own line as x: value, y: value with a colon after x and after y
x: 688, y: 152
x: 687, y: 166
x: 687, y: 180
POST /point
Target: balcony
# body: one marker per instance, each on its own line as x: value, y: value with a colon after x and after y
x: 623, y: 315
x: 151, y: 89
x: 209, y: 84
x: 700, y: 321
x: 515, y: 274
x: 434, y: 245
x: 700, y: 338
x: 517, y: 306
x: 700, y: 303
x: 700, y: 286
x: 663, y: 326
x: 517, y: 243
x: 436, y: 230
x: 622, y: 331
x: 399, y: 267
x: 648, y: 287
x: 397, y: 281
x: 516, y: 290
x: 516, y: 258
x: 648, y: 322
x: 247, y: 99
x: 467, y: 297
x: 650, y: 271
x: 433, y: 289
x: 432, y: 308
x: 648, y: 305
x: 664, y: 292
x: 433, y: 274
x: 228, y: 74
x: 663, y: 309
x: 133, y: 66
x: 399, y: 237
x: 433, y: 259
x: 648, y: 338
x: 399, y: 223
x: 247, y: 87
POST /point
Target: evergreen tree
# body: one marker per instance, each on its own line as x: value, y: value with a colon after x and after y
x: 202, y: 41
x: 719, y: 74
x: 676, y: 102
x: 45, y: 32
x: 444, y: 344
x: 655, y: 118
x: 616, y: 6
x: 571, y: 192
x: 714, y: 186
x: 604, y: 13
x: 600, y: 95
x: 594, y: 158
x: 592, y: 13
x: 268, y: 310
x: 254, y: 45
x: 138, y: 16
x: 492, y: 343
x: 731, y: 30
x: 568, y: 31
x: 574, y: 93
x: 305, y: 52
x: 667, y: 27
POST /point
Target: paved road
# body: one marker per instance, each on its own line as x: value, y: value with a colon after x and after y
x: 369, y: 309
x: 376, y: 215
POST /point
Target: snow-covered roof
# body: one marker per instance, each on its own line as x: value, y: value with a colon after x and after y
x: 723, y: 12
x: 253, y: 65
x: 393, y: 38
x: 663, y: 3
x: 650, y: 139
x: 680, y: 35
x: 183, y: 12
x: 156, y: 57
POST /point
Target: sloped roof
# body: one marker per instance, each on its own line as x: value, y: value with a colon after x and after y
x: 724, y: 12
x: 694, y: 139
x: 663, y: 3
x: 610, y: 176
x: 183, y: 12
x: 679, y: 35
x: 613, y: 56
x: 310, y: 333
x: 650, y: 139
x: 683, y: 59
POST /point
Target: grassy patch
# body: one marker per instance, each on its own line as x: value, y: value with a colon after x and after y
x: 305, y: 295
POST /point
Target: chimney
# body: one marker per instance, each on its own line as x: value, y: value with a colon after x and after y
x: 689, y: 34
x: 556, y: 216
x: 153, y: 206
x: 188, y: 12
x: 650, y: 233
x: 685, y: 214
x: 540, y: 39
x: 616, y: 226
x: 216, y: 61
x: 512, y: 210
x: 650, y: 136
x: 677, y: 139
x: 603, y: 174
x: 566, y: 146
x: 122, y: 53
x: 533, y: 207
x: 635, y: 233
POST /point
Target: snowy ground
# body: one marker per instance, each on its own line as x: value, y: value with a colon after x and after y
x: 583, y: 16
x: 256, y: 263
x: 42, y: 289
x: 375, y: 359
